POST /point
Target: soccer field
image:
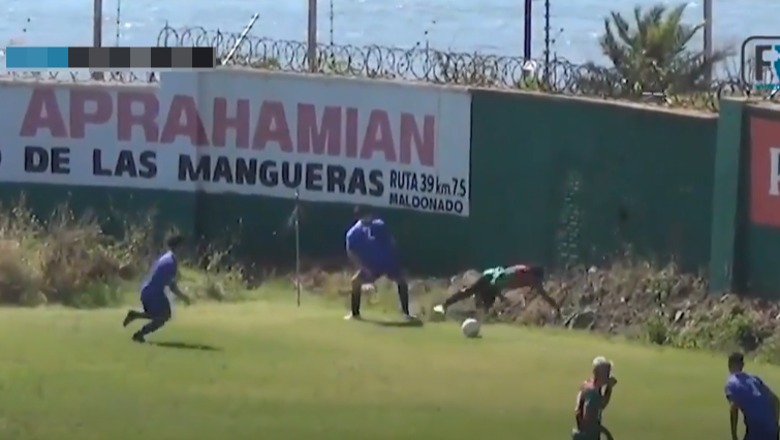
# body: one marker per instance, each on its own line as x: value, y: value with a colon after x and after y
x: 273, y: 371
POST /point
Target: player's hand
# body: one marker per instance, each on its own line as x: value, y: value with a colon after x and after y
x: 611, y: 382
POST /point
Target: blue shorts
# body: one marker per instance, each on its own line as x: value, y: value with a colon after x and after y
x: 391, y: 271
x: 156, y: 305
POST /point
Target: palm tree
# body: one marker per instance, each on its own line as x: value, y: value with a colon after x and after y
x: 652, y: 56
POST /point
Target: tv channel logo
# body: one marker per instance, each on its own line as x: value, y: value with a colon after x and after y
x: 760, y: 62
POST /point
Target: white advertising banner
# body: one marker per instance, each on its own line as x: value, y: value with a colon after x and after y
x: 384, y: 144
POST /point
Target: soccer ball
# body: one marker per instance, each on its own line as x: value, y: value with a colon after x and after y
x: 470, y: 328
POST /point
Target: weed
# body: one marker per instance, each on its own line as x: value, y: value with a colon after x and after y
x: 657, y: 330
x: 70, y: 260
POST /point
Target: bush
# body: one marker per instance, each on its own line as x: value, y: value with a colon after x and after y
x: 65, y: 259
x: 19, y: 283
x: 72, y: 261
x: 657, y: 330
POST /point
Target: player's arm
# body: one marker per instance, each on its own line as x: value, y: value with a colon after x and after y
x: 590, y: 410
x: 174, y: 286
x: 500, y: 281
x: 772, y: 396
x: 607, y: 396
x: 177, y: 291
x: 501, y: 293
x: 776, y: 402
x: 608, y: 392
x: 352, y: 241
x: 380, y: 229
x: 733, y: 419
x: 578, y: 411
x: 733, y: 414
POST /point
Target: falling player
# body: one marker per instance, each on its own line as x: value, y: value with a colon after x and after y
x: 493, y: 282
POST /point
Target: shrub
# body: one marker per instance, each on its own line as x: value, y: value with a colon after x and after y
x: 73, y: 261
x: 657, y: 330
x: 19, y: 283
x: 65, y: 259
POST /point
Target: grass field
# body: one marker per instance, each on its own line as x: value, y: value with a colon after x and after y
x: 274, y: 371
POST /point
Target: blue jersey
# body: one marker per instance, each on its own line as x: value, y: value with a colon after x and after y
x: 161, y: 275
x: 753, y: 398
x: 372, y: 243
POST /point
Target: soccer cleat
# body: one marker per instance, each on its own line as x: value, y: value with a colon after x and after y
x: 439, y: 309
x: 353, y: 317
x: 409, y: 317
x: 138, y: 337
x: 130, y: 317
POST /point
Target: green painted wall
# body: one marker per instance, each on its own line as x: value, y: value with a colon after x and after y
x: 429, y: 243
x: 555, y: 180
x: 112, y: 206
x: 256, y: 225
x: 576, y: 181
x: 726, y: 267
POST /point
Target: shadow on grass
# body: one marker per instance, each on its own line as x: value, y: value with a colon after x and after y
x: 185, y: 346
x: 400, y: 324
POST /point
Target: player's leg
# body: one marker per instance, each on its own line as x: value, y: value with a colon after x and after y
x: 486, y: 298
x: 395, y: 274
x: 159, y: 311
x: 464, y: 293
x: 132, y: 315
x: 581, y: 435
x: 361, y: 277
x: 534, y: 279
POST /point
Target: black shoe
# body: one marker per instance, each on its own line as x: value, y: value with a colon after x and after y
x: 130, y: 317
x: 138, y: 337
x: 408, y: 317
x: 353, y: 316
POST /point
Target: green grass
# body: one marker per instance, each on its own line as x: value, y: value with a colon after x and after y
x: 287, y: 373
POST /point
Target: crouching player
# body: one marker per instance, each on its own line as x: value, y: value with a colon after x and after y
x: 495, y: 281
x: 591, y: 401
x: 759, y: 405
x: 372, y: 249
x: 157, y: 308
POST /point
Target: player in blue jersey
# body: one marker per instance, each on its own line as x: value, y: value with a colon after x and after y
x: 371, y: 248
x: 758, y: 404
x: 157, y: 308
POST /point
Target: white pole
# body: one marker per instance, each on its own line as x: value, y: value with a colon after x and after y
x: 311, y: 52
x: 708, y: 35
x: 241, y: 39
x: 297, y: 249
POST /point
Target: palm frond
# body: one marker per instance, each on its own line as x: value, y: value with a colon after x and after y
x: 652, y: 53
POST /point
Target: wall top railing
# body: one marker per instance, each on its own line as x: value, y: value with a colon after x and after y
x: 422, y: 63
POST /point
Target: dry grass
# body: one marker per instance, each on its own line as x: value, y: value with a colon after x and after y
x: 65, y: 259
x: 70, y: 260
